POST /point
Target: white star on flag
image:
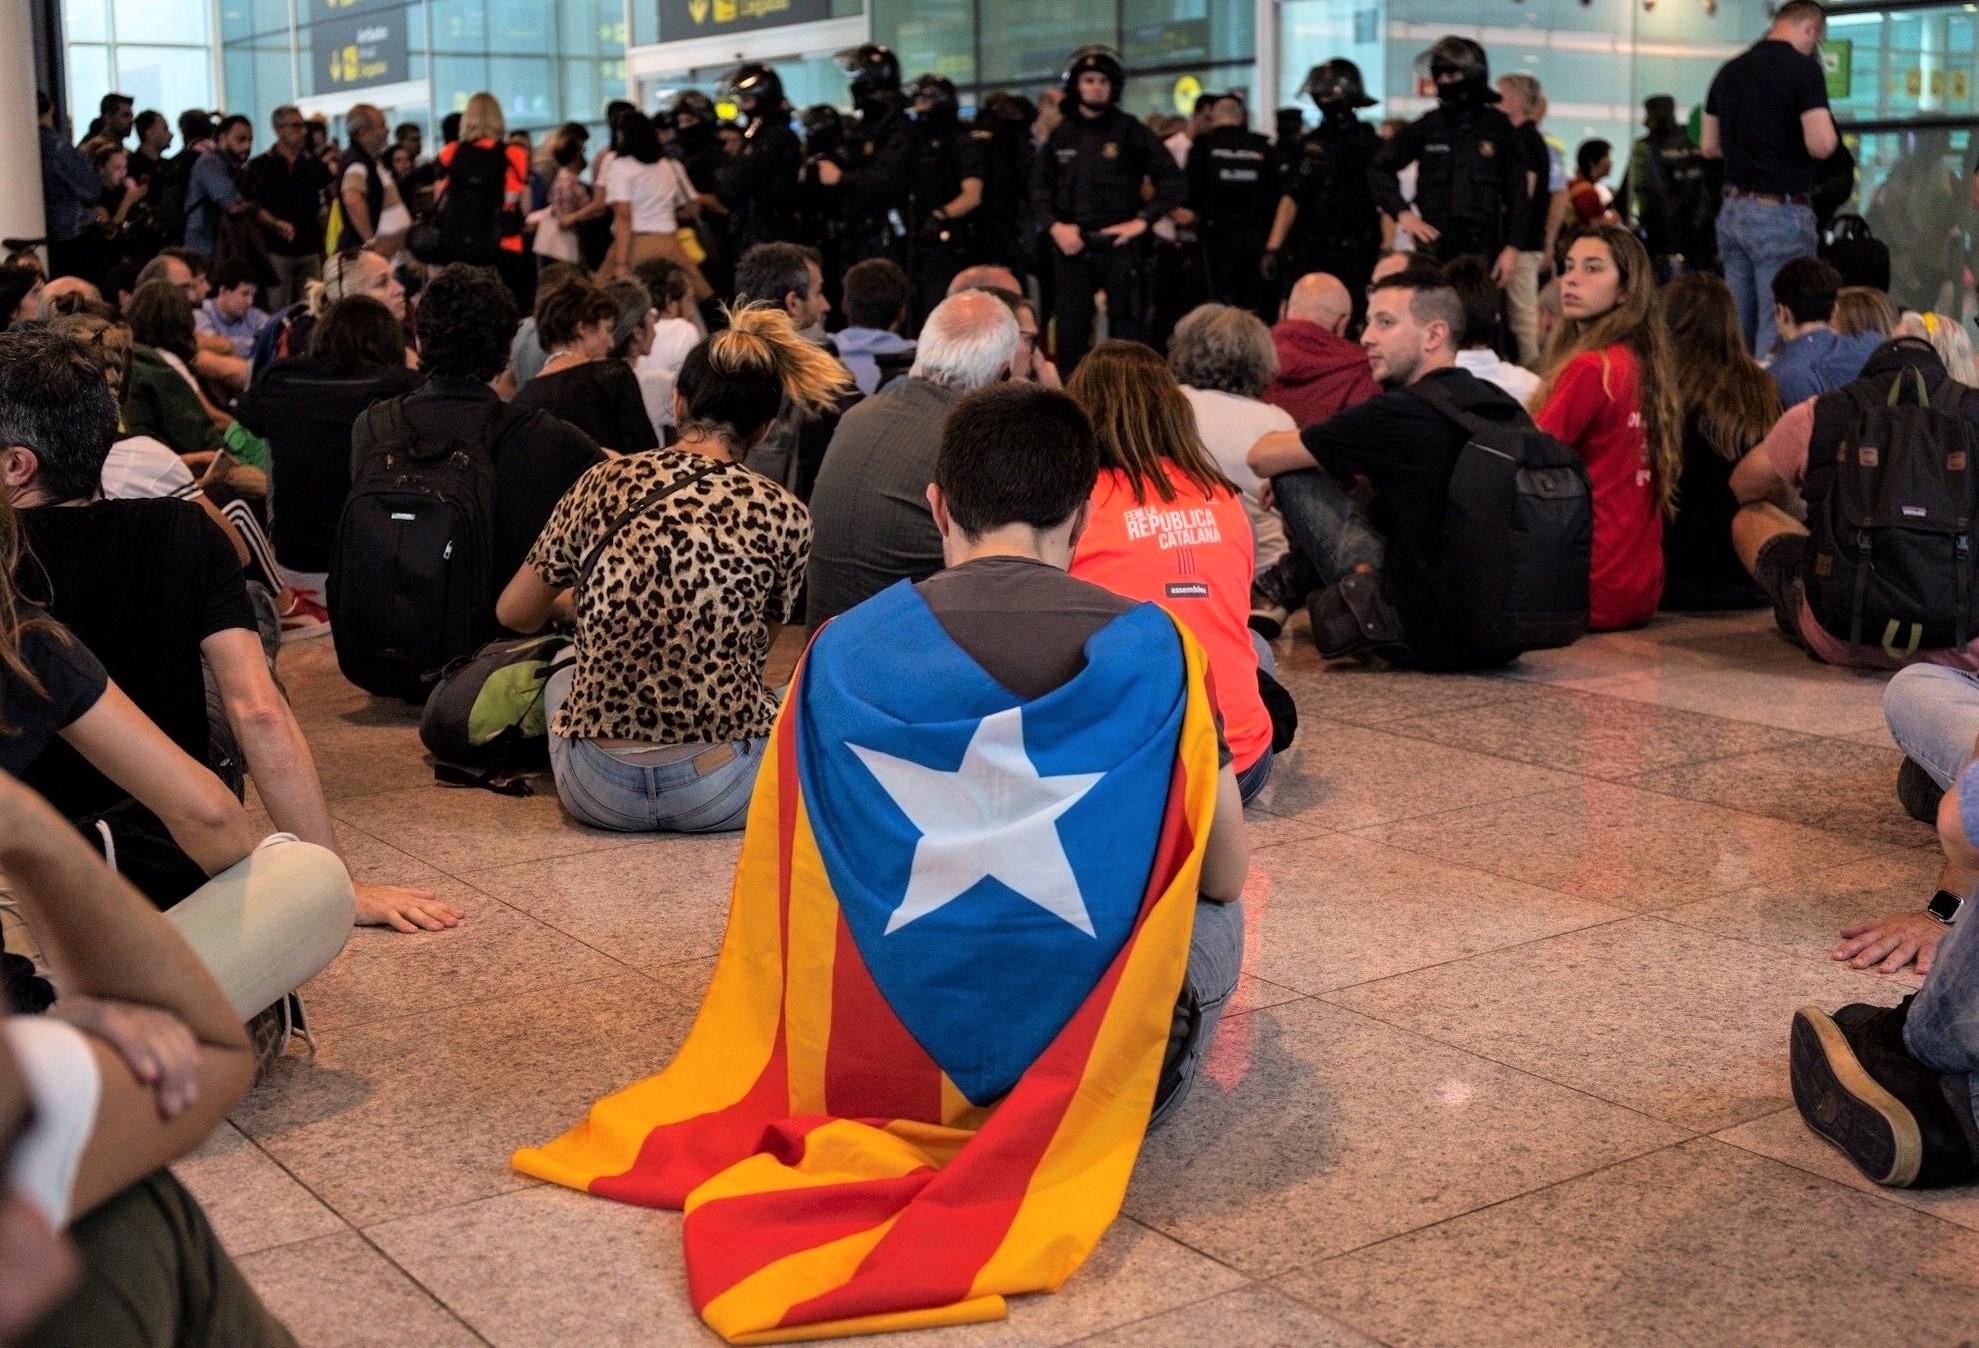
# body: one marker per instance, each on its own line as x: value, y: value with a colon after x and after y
x: 992, y: 818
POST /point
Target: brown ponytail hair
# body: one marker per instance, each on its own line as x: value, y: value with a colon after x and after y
x: 1141, y: 419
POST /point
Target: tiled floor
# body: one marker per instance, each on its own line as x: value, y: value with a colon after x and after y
x: 1508, y: 1066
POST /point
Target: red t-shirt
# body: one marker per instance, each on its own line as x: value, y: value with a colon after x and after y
x: 515, y: 184
x: 1193, y: 556
x: 1595, y: 408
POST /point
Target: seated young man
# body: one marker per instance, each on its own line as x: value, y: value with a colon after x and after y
x: 1896, y: 1088
x: 870, y: 344
x: 154, y: 590
x: 1404, y: 447
x: 1813, y: 358
x: 1010, y: 496
x: 231, y: 313
x: 1799, y: 455
x: 99, y: 1244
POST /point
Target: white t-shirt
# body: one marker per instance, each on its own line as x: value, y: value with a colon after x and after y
x: 65, y: 1086
x: 673, y: 338
x: 1229, y: 426
x: 656, y: 389
x: 393, y: 217
x: 653, y: 189
x: 140, y: 468
x: 1495, y: 369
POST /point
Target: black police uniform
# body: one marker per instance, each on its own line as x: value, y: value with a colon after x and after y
x: 877, y: 154
x: 1234, y: 189
x: 820, y: 214
x: 1001, y: 147
x: 1338, y: 227
x: 701, y: 155
x: 1089, y: 173
x: 944, y: 155
x: 759, y: 186
x: 1470, y: 177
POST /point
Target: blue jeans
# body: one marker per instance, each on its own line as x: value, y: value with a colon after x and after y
x: 1933, y: 715
x: 1252, y: 779
x: 1942, y: 1030
x: 1322, y: 521
x: 604, y: 791
x: 1756, y: 240
x: 1216, y: 956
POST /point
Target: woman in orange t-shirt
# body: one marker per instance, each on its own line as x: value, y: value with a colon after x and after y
x: 1168, y: 527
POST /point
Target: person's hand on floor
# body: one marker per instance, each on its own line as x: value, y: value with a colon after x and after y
x: 1896, y: 941
x: 158, y: 1047
x: 404, y: 908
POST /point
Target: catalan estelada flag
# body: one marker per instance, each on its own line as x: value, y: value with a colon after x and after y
x: 958, y: 930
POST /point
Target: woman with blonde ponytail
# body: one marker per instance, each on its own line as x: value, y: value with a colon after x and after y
x: 673, y: 568
x: 1609, y: 392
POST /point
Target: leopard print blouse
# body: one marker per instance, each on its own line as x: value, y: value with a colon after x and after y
x: 673, y: 625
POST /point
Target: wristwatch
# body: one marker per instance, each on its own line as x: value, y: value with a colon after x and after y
x: 1944, y: 906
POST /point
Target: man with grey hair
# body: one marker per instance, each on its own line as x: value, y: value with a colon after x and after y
x: 870, y: 524
x: 374, y: 212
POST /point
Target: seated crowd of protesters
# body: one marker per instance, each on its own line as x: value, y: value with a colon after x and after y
x: 687, y: 492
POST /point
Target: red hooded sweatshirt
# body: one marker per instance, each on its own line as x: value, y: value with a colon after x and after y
x: 1318, y: 373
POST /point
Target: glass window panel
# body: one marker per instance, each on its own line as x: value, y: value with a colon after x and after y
x: 524, y: 87
x: 930, y: 36
x: 1176, y: 92
x: 1030, y: 39
x: 237, y: 71
x: 581, y: 95
x: 166, y: 78
x: 86, y: 20
x: 460, y: 26
x: 455, y: 80
x: 520, y: 26
x: 151, y: 21
x: 89, y: 80
x: 1165, y: 32
x: 645, y: 23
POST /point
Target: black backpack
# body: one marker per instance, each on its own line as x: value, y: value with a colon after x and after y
x: 411, y: 583
x: 1861, y: 257
x: 1890, y: 556
x: 1518, y: 531
x: 473, y: 211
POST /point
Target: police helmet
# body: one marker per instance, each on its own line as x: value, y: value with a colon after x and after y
x: 755, y: 87
x: 824, y: 128
x: 1337, y: 81
x: 1453, y: 55
x: 873, y: 69
x: 1094, y: 56
x: 691, y: 103
x: 938, y: 90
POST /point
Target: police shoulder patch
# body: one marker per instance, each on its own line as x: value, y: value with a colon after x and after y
x: 1487, y: 148
x: 1111, y: 149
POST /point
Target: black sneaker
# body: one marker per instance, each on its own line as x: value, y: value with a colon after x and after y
x: 1918, y: 792
x: 1857, y: 1086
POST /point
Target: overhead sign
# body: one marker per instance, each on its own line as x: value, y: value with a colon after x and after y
x: 358, y: 52
x: 1836, y: 55
x: 1187, y: 90
x: 319, y: 10
x: 682, y: 19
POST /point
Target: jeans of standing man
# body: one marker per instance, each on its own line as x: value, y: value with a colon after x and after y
x: 1522, y: 304
x: 1322, y: 521
x: 604, y: 790
x: 1216, y: 955
x: 1933, y: 715
x: 292, y: 278
x: 1755, y: 240
x: 1942, y: 1030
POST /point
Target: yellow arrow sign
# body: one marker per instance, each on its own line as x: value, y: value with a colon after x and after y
x: 698, y: 9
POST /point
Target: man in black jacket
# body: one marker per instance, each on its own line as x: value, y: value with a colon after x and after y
x: 1471, y: 179
x: 1233, y: 188
x: 1086, y: 180
x: 870, y: 171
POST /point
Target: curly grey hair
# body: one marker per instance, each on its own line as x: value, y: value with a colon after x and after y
x: 1225, y: 349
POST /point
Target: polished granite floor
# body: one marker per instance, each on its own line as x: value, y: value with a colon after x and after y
x: 1508, y: 1065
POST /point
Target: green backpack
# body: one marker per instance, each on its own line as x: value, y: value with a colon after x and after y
x: 484, y: 719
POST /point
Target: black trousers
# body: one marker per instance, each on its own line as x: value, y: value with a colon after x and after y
x: 1116, y: 270
x: 1233, y: 256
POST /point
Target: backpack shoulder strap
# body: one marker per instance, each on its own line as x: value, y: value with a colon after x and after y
x: 1438, y: 395
x: 625, y: 517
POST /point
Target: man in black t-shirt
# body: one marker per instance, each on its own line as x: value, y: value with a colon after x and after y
x: 1767, y: 117
x: 1015, y: 471
x: 153, y: 589
x: 1404, y: 447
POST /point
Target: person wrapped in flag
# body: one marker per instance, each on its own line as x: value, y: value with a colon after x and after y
x: 983, y: 927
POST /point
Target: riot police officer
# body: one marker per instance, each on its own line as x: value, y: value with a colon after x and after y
x: 1234, y: 191
x: 1470, y: 177
x: 1086, y: 181
x: 819, y: 213
x: 759, y: 185
x: 697, y: 145
x: 1001, y: 138
x: 945, y: 193
x: 871, y: 171
x: 1327, y: 220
